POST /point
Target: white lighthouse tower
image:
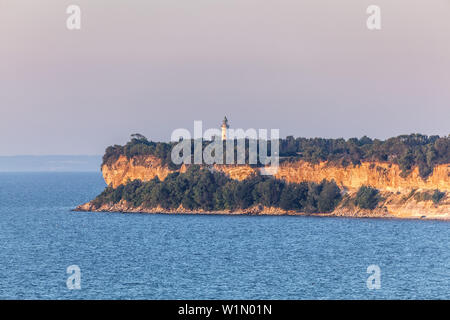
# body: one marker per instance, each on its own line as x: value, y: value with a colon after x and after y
x: 225, y: 127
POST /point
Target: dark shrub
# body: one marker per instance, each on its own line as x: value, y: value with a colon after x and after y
x: 367, y: 197
x: 437, y: 196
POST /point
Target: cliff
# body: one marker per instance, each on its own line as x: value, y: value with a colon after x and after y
x: 397, y: 190
x: 146, y: 168
x: 383, y: 176
x: 139, y: 168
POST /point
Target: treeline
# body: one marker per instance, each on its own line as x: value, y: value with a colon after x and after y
x: 199, y: 188
x: 140, y: 146
x: 408, y: 151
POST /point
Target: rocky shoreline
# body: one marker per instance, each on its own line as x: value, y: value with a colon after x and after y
x: 347, y: 212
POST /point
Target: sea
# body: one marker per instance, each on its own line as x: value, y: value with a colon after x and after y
x: 48, y: 251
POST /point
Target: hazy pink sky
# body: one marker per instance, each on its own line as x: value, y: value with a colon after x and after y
x: 310, y: 68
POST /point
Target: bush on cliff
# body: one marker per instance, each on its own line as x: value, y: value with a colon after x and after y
x: 367, y: 197
x: 437, y: 196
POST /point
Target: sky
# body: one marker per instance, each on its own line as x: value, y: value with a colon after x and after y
x: 309, y: 68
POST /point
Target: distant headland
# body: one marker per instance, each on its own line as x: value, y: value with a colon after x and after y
x: 401, y: 177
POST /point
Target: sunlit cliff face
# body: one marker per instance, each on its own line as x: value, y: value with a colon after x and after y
x: 383, y: 176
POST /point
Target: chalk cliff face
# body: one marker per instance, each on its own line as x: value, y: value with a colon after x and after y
x: 383, y: 176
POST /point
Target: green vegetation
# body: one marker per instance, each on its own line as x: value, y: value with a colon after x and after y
x: 137, y: 146
x: 408, y: 151
x: 140, y: 146
x: 199, y: 188
x: 423, y: 196
x: 367, y: 197
x: 436, y: 196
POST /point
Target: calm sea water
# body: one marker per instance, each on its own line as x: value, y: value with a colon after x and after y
x: 144, y: 256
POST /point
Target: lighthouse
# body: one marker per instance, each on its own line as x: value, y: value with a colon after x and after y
x: 225, y: 127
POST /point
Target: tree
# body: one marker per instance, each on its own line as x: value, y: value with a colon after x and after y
x: 437, y: 196
x: 367, y: 197
x: 329, y: 196
x: 138, y: 136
